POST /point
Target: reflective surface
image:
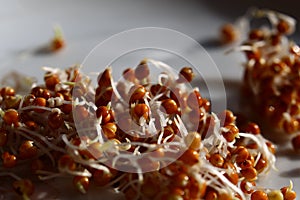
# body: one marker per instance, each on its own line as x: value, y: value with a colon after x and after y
x: 26, y: 27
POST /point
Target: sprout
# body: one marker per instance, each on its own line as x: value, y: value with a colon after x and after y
x: 128, y: 152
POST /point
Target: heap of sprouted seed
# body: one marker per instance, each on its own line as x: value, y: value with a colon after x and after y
x: 272, y: 73
x: 149, y: 139
x: 58, y: 41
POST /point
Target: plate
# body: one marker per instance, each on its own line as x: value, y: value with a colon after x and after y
x: 26, y: 27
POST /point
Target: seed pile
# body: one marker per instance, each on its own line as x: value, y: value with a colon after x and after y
x: 150, y: 139
x: 272, y: 73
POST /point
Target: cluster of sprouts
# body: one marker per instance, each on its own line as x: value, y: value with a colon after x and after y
x: 146, y: 138
x: 272, y: 73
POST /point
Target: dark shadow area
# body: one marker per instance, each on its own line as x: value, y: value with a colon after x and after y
x: 291, y: 173
x: 232, y: 92
x: 210, y: 43
x: 289, y: 153
x: 42, y: 50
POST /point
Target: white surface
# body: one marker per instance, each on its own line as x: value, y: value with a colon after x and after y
x: 26, y: 26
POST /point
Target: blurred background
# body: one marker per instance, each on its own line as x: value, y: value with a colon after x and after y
x: 27, y: 26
